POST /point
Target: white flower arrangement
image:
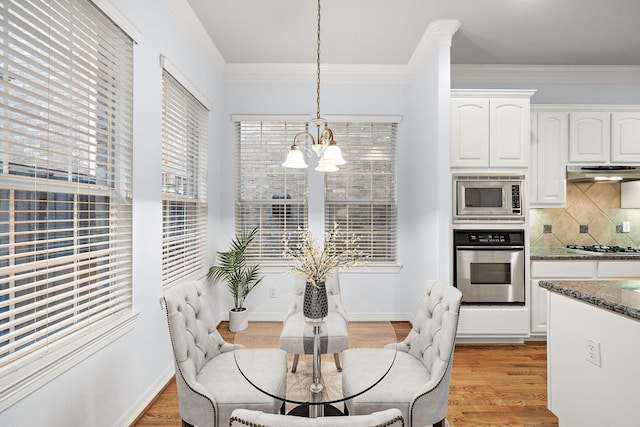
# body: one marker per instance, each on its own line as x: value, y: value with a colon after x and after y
x: 315, y: 260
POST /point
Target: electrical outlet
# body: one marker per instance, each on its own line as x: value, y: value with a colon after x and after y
x: 626, y: 227
x: 592, y: 351
x: 272, y: 292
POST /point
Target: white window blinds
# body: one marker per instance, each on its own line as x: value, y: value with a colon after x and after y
x: 361, y: 197
x: 65, y: 167
x: 184, y: 196
x: 267, y: 194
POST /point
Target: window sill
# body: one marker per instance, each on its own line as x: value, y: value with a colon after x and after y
x: 376, y: 268
x: 24, y: 377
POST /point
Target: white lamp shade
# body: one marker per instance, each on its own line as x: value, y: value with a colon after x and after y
x: 295, y: 159
x: 326, y: 166
x: 333, y: 155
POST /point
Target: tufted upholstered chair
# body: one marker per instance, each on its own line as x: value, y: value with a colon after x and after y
x: 386, y: 418
x: 418, y: 382
x: 210, y: 386
x: 297, y: 337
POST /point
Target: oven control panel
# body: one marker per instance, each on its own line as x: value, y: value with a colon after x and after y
x: 489, y: 238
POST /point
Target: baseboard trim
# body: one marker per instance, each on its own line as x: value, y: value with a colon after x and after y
x: 140, y: 406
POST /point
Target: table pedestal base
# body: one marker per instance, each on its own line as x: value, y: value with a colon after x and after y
x: 303, y: 411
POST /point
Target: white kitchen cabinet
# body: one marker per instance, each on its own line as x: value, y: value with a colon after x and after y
x: 630, y: 195
x: 538, y: 309
x: 549, y: 140
x: 572, y: 270
x: 589, y: 137
x: 553, y: 270
x: 490, y: 128
x: 625, y: 138
x: 470, y: 132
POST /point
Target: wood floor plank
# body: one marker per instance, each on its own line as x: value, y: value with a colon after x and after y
x: 498, y: 385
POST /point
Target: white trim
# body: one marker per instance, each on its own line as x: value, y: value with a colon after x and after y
x: 337, y: 118
x: 173, y: 70
x: 127, y: 419
x: 270, y: 118
x: 492, y: 93
x: 60, y: 357
x: 377, y: 268
x: 508, y: 73
x: 118, y: 18
x: 193, y: 28
x: 563, y: 108
x: 438, y: 33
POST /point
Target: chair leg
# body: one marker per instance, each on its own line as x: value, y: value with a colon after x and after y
x: 295, y: 363
x: 337, y: 359
x: 186, y: 424
x: 439, y: 423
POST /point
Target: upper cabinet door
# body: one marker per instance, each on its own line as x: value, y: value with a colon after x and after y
x: 549, y: 159
x: 510, y: 134
x: 589, y: 137
x: 469, y: 132
x: 625, y: 138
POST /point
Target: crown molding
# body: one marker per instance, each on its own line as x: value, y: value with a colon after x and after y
x: 572, y: 108
x: 492, y: 93
x: 193, y: 28
x: 490, y: 73
x: 438, y: 33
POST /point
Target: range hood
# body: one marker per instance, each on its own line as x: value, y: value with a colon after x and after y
x: 603, y: 173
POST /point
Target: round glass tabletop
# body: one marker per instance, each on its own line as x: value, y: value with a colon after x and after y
x: 309, y: 385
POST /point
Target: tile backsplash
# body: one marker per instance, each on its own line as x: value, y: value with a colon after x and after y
x: 592, y: 217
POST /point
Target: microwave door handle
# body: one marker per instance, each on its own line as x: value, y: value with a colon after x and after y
x: 489, y: 248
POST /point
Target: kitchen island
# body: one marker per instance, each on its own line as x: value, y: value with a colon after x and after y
x: 593, y: 351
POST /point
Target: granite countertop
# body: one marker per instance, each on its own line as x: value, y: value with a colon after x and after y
x: 620, y: 296
x: 551, y: 254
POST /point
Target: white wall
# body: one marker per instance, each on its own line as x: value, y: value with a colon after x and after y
x: 426, y: 185
x: 109, y: 387
x: 336, y: 99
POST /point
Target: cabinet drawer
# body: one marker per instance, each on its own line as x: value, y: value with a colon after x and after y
x: 618, y: 269
x: 564, y: 269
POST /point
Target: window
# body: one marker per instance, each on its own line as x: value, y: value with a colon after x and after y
x: 361, y: 197
x: 267, y: 194
x: 66, y: 75
x: 184, y: 196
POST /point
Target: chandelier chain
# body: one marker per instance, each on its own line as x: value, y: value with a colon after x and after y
x: 318, y: 68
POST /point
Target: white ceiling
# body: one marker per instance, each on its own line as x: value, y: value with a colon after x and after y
x: 524, y: 32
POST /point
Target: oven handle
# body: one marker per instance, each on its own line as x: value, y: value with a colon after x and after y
x: 490, y: 248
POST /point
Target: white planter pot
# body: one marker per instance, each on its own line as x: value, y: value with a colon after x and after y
x: 238, y: 320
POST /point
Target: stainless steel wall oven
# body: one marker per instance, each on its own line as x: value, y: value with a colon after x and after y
x: 489, y: 266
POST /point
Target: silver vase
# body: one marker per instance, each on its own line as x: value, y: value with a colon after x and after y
x: 315, y: 305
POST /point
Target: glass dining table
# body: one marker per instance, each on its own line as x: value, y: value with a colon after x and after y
x: 315, y: 388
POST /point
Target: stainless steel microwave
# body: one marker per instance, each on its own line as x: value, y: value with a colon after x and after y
x: 486, y: 197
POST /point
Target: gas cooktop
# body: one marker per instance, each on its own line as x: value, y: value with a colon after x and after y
x: 605, y: 249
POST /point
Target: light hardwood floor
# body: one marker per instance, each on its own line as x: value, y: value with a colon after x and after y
x: 491, y: 385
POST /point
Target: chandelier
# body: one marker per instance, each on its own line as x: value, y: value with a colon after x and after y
x: 324, y: 146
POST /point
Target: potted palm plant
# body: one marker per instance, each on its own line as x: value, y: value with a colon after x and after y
x: 240, y: 276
